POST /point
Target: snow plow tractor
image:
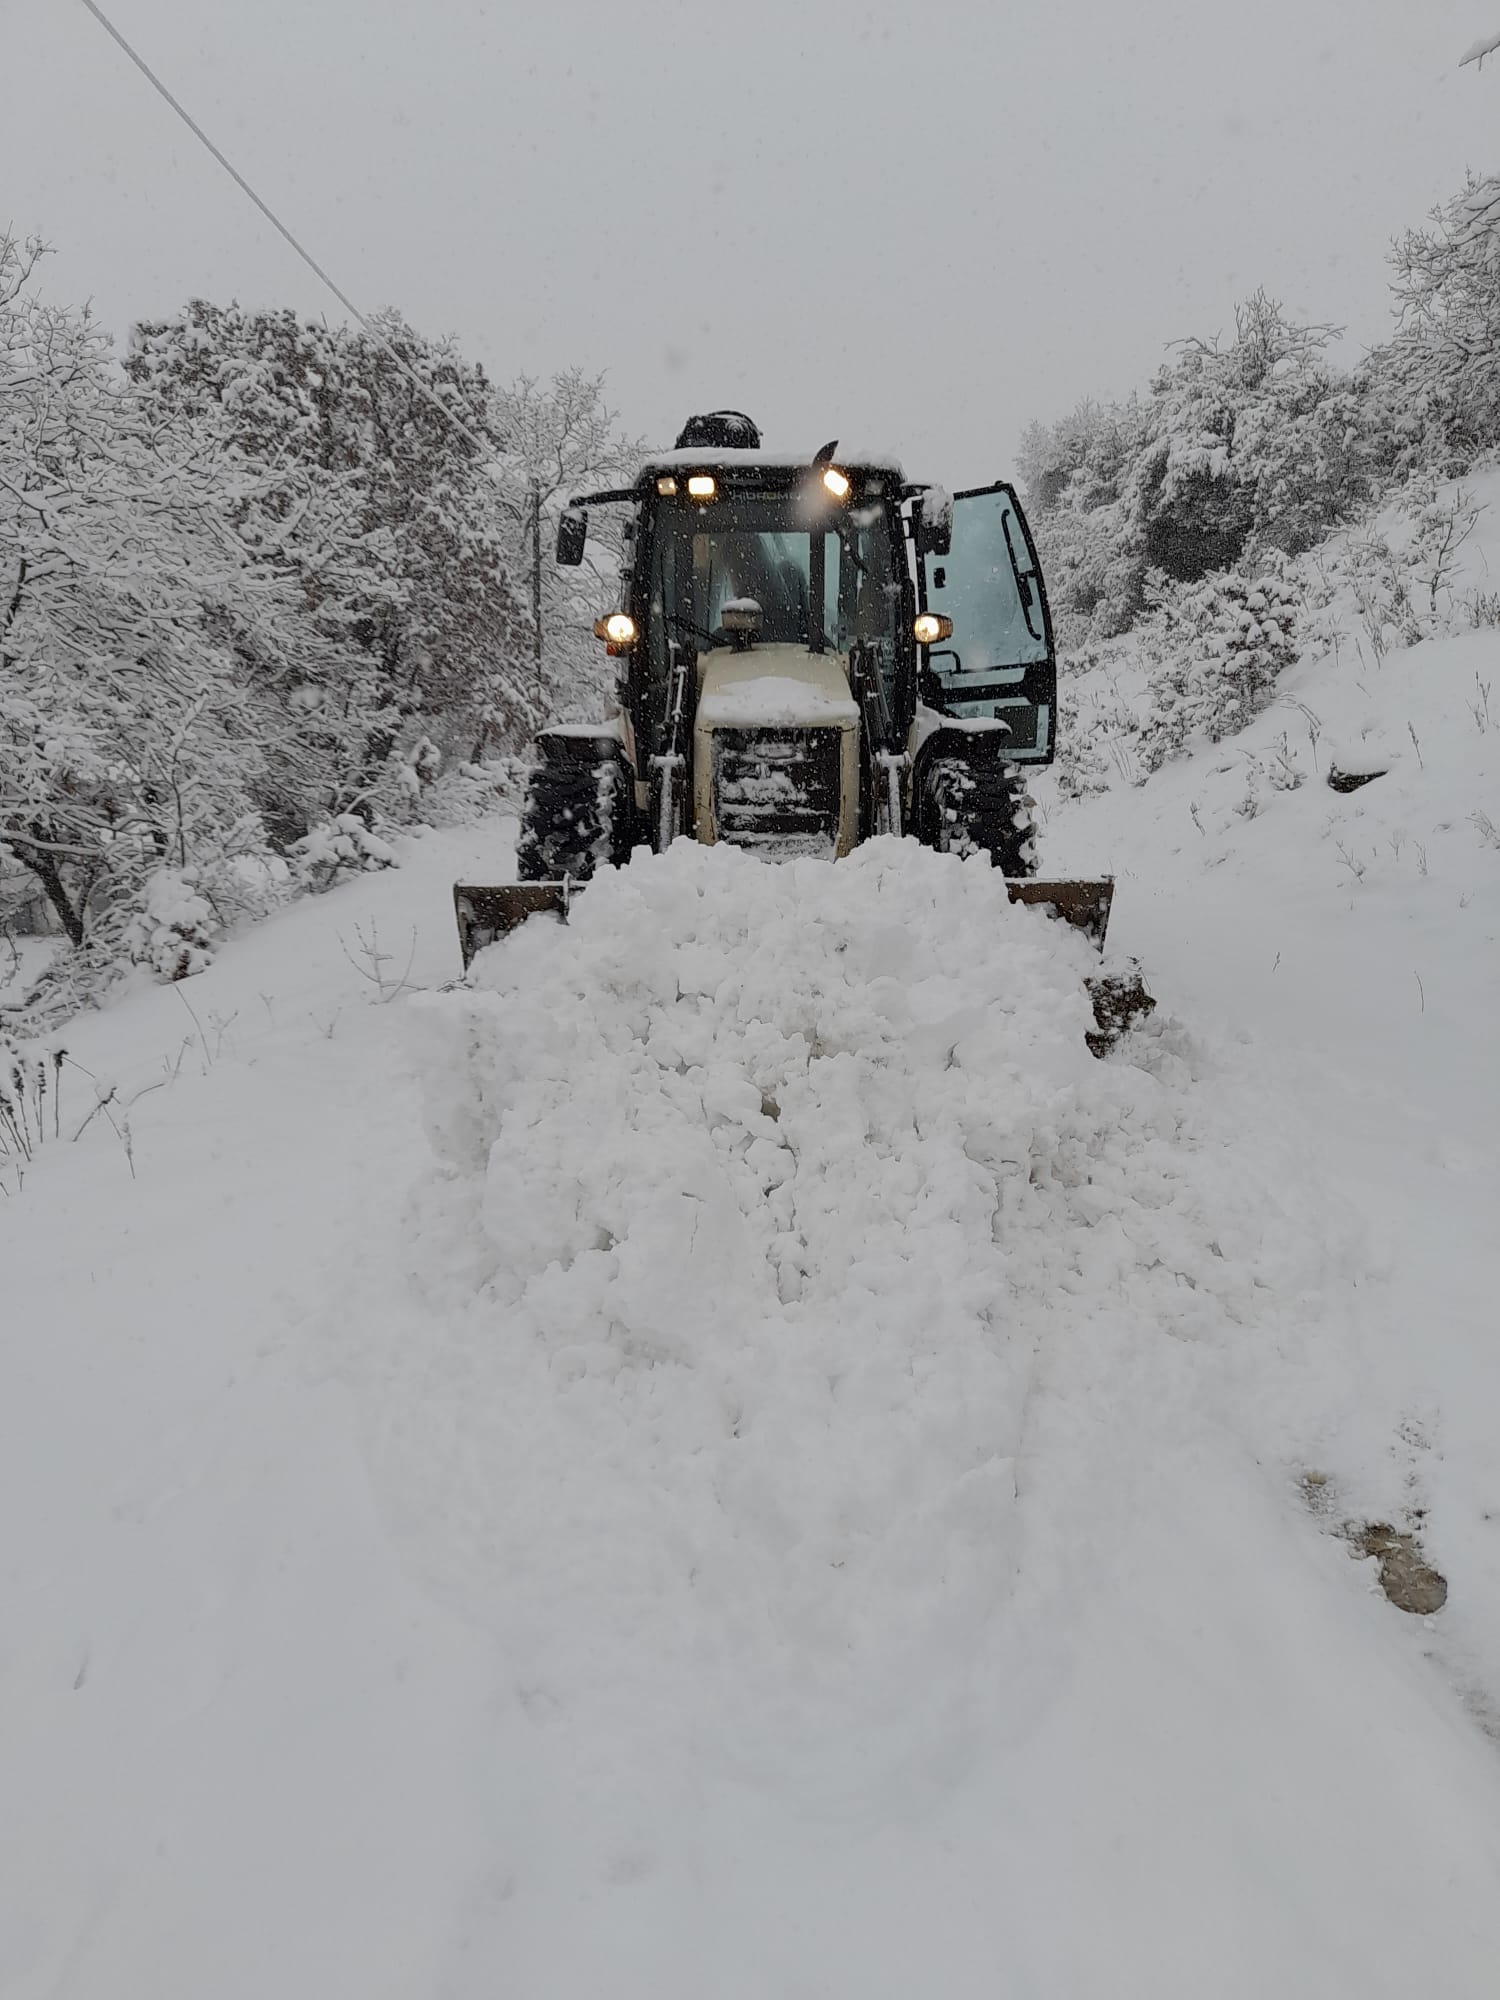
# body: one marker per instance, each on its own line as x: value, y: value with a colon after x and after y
x: 812, y: 650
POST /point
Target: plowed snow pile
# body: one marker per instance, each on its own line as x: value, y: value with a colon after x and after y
x: 780, y: 1178
x: 815, y: 1344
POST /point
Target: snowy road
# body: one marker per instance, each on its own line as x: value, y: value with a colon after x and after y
x: 798, y: 1492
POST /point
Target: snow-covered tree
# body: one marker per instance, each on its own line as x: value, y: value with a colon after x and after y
x: 127, y: 742
x: 1076, y: 474
x: 558, y: 438
x: 1241, y: 447
x: 1250, y: 446
x: 401, y: 540
x: 1445, y: 358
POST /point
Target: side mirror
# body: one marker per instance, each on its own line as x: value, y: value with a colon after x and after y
x: 572, y: 534
x: 932, y: 521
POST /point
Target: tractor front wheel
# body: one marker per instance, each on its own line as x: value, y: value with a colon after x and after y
x: 580, y: 815
x: 966, y: 807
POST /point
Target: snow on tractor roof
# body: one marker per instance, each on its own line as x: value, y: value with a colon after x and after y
x: 726, y: 459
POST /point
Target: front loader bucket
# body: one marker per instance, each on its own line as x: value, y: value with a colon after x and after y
x: 485, y: 914
x: 1083, y: 904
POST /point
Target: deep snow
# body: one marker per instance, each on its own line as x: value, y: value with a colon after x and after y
x: 731, y: 1457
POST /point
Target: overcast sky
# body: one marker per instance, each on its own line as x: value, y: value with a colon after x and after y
x: 913, y: 225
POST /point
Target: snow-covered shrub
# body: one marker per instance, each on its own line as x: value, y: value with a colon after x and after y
x: 174, y: 935
x: 1215, y: 650
x: 1096, y: 735
x: 28, y: 1080
x: 1282, y: 768
x: 244, y: 887
x: 1398, y: 574
x: 466, y: 793
x: 1081, y: 767
x: 1095, y: 571
x: 1443, y: 518
x: 336, y: 849
x: 1380, y: 581
x: 424, y: 760
x: 240, y: 876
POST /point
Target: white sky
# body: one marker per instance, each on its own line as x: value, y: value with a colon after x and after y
x: 913, y: 225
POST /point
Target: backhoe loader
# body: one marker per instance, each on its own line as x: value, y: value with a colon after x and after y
x: 811, y: 650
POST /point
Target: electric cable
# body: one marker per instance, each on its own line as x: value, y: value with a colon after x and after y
x: 486, y: 451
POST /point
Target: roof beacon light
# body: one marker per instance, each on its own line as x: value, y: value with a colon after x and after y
x: 931, y: 626
x: 702, y: 486
x: 837, y: 482
x: 666, y: 487
x: 617, y: 631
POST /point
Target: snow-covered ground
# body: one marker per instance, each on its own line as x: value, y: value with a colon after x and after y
x: 732, y: 1457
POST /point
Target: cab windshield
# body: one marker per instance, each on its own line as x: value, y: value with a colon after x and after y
x: 825, y: 580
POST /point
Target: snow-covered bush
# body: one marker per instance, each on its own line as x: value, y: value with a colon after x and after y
x: 174, y: 935
x: 1095, y: 571
x: 424, y: 763
x: 335, y: 850
x: 1096, y: 732
x: 1398, y: 573
x: 465, y: 793
x: 1081, y: 767
x: 29, y: 1075
x: 244, y: 879
x: 1215, y: 649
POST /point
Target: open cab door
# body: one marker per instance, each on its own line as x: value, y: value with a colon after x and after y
x: 1000, y: 663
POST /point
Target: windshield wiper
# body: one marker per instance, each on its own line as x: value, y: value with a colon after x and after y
x: 678, y: 618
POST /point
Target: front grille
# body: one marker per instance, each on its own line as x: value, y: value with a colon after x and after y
x: 777, y: 790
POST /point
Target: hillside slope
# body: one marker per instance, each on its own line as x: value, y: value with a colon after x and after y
x: 1351, y: 942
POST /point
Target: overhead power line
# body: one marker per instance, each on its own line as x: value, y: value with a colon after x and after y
x: 486, y: 451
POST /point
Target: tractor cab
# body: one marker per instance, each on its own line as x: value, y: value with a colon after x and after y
x: 801, y: 637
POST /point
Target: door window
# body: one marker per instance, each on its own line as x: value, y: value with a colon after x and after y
x: 999, y: 660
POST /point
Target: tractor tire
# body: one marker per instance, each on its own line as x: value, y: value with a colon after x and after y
x: 973, y: 808
x: 580, y: 815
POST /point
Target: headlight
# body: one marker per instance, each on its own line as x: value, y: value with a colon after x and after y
x: 837, y: 482
x: 617, y: 630
x: 702, y: 486
x: 931, y: 626
x: 666, y: 487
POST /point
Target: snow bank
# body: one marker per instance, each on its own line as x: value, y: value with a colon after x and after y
x: 1347, y: 943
